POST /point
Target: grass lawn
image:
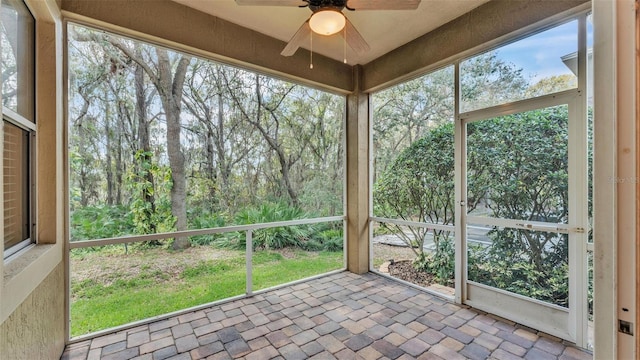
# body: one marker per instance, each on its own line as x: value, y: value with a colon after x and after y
x: 160, y: 281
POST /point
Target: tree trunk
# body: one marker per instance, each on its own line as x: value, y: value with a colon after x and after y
x: 170, y: 87
x: 170, y: 91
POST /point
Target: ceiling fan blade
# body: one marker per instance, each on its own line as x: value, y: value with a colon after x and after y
x: 383, y: 4
x: 272, y: 2
x: 354, y: 39
x: 297, y: 39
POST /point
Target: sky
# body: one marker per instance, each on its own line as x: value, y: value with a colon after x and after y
x: 540, y: 55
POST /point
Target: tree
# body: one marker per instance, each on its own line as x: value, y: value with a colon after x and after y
x: 552, y: 84
x: 406, y: 112
x: 227, y: 138
x: 167, y: 73
x: 84, y: 149
x: 267, y: 117
x: 487, y: 80
x: 241, y: 140
x: 419, y: 186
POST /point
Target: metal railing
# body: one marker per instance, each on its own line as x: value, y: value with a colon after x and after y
x: 431, y: 226
x: 248, y: 229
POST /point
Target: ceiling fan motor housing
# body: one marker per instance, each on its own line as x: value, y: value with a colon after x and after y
x: 317, y: 5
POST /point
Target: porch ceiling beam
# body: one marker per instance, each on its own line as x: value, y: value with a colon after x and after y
x: 186, y: 29
x: 484, y: 25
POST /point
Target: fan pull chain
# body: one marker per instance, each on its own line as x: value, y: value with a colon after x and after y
x: 311, y: 52
x: 344, y: 43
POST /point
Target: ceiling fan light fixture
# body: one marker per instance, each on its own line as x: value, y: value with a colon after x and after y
x: 327, y: 22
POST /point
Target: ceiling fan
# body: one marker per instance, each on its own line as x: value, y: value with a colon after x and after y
x: 328, y: 18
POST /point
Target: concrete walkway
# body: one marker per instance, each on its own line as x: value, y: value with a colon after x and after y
x: 341, y: 316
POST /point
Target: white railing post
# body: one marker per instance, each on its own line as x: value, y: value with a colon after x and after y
x: 249, y: 262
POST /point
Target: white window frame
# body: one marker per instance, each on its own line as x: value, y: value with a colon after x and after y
x: 29, y: 126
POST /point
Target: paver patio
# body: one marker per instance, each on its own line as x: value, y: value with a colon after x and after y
x: 340, y: 316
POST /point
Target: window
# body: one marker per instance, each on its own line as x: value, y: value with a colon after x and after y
x: 18, y: 113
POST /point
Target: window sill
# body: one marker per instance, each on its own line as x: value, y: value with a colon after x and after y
x: 24, y: 272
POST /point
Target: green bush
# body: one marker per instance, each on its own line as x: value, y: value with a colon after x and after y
x: 205, y: 220
x: 419, y: 186
x: 271, y: 238
x: 331, y: 240
x: 517, y: 169
x: 98, y: 222
x: 311, y: 237
x: 550, y: 284
x: 440, y: 263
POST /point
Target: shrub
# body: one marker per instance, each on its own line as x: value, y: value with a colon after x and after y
x: 419, y: 186
x: 517, y: 169
x: 312, y: 237
x: 440, y: 263
x: 332, y: 240
x: 98, y: 222
x: 205, y: 220
x: 271, y: 238
x: 550, y: 284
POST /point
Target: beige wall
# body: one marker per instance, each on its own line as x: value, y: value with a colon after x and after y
x: 32, y: 284
x: 35, y: 329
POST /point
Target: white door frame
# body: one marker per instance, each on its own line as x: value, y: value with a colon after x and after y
x: 567, y: 323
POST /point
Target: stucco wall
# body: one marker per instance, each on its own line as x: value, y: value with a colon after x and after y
x: 35, y: 330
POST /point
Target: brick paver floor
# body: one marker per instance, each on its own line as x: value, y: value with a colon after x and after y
x: 340, y: 316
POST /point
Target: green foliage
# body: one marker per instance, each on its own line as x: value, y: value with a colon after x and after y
x: 205, y: 220
x: 150, y: 205
x: 97, y: 222
x: 419, y: 186
x: 313, y: 237
x: 272, y: 238
x: 520, y: 276
x: 331, y: 239
x: 244, y: 138
x: 518, y: 164
x: 419, y: 183
x: 440, y: 263
x: 517, y: 169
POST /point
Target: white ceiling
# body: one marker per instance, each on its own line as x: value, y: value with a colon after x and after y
x: 383, y: 30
